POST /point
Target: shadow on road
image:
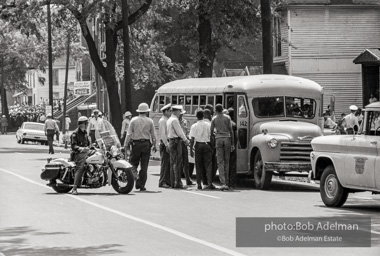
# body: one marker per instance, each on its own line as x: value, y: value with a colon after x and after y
x: 13, y: 241
x: 89, y: 194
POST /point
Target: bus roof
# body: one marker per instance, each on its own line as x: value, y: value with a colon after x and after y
x: 259, y: 85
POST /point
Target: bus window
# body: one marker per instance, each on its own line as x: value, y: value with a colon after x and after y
x: 268, y: 107
x: 210, y: 100
x: 242, y: 108
x: 219, y: 99
x: 202, y: 101
x: 156, y: 106
x: 188, y: 104
x: 230, y: 101
x: 167, y: 100
x: 300, y: 107
x: 181, y: 100
x: 195, y: 103
x: 174, y: 100
x: 161, y: 102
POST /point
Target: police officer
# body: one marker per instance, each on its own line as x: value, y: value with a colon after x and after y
x: 164, y: 181
x: 141, y: 132
x: 50, y: 128
x: 175, y: 135
x: 79, y: 147
x: 351, y: 120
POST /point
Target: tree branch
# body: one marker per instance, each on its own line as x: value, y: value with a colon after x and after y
x: 136, y: 15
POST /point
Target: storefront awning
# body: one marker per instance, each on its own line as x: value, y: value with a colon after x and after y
x: 369, y: 56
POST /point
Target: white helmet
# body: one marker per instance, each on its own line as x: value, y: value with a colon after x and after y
x: 143, y: 107
x: 82, y: 119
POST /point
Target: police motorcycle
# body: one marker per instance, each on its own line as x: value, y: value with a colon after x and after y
x: 104, y: 165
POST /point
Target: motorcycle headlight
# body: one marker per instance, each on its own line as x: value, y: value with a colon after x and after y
x: 114, y: 151
x: 272, y: 143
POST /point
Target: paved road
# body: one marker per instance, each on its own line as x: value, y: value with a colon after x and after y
x: 34, y: 220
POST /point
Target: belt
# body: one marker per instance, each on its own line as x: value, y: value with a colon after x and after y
x: 141, y: 140
x: 202, y: 142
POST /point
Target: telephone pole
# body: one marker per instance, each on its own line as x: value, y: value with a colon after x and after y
x: 267, y: 37
x: 126, y: 92
x: 50, y: 56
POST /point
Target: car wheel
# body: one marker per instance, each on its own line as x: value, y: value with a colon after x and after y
x: 332, y: 192
x: 22, y: 141
x: 18, y: 140
x: 262, y: 178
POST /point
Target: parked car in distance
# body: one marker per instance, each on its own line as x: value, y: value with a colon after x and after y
x: 31, y: 131
x: 348, y: 163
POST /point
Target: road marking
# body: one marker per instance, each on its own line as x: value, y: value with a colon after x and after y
x: 201, y: 194
x: 375, y: 232
x: 149, y: 223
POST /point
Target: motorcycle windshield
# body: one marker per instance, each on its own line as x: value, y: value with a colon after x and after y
x: 107, y: 135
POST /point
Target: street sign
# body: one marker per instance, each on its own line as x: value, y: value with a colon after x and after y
x: 82, y: 88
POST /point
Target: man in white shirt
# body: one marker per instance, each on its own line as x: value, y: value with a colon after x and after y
x: 175, y: 135
x: 164, y: 181
x: 67, y: 122
x: 95, y: 125
x: 200, y: 136
x: 351, y: 120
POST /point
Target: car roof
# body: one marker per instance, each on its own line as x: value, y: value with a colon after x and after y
x: 375, y: 106
x: 35, y: 123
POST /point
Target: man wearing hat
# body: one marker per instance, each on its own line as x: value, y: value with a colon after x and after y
x: 50, y: 128
x: 125, y: 125
x: 175, y: 135
x: 141, y: 133
x: 164, y: 181
x: 351, y: 120
x: 95, y: 124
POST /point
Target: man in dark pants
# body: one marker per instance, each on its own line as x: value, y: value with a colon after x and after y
x: 200, y: 135
x: 141, y: 132
x: 164, y: 181
x: 50, y: 128
x: 185, y: 152
x: 232, y: 174
x: 175, y: 135
x: 79, y: 147
x: 208, y: 114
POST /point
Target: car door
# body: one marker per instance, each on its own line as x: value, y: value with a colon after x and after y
x: 377, y: 165
x: 360, y: 161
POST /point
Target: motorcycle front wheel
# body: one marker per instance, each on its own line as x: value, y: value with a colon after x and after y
x: 123, y: 182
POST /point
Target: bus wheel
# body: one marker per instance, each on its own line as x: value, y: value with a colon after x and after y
x: 262, y: 178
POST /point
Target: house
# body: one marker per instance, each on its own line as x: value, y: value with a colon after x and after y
x: 319, y: 40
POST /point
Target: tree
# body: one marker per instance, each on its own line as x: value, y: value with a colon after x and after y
x: 219, y: 22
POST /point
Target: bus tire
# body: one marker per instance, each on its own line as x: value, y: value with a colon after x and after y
x: 262, y: 178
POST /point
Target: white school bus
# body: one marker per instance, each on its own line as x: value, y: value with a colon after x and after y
x: 277, y: 116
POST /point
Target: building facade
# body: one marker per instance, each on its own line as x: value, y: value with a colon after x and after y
x: 319, y: 39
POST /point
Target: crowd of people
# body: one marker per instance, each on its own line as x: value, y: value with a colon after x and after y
x: 346, y: 124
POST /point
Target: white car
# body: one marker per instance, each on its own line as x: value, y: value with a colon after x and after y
x: 349, y: 163
x: 31, y: 131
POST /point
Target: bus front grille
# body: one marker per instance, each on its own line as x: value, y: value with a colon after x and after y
x: 295, y: 151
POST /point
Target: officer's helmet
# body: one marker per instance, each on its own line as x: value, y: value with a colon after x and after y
x: 82, y: 120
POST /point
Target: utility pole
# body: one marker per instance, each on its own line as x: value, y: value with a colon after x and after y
x: 50, y: 56
x: 65, y: 90
x: 267, y: 37
x: 126, y: 92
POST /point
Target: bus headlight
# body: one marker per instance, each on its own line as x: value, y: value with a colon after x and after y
x: 273, y: 143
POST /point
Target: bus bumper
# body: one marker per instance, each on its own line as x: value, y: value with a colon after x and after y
x: 287, y: 166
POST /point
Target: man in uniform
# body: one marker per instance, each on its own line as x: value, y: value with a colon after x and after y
x: 96, y: 125
x: 164, y: 181
x: 125, y: 125
x: 200, y: 135
x: 50, y: 128
x: 175, y: 135
x: 79, y: 147
x: 351, y: 120
x: 185, y: 152
x: 141, y: 132
x: 224, y: 141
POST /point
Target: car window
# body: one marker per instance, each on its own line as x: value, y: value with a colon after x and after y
x: 373, y: 123
x: 37, y: 127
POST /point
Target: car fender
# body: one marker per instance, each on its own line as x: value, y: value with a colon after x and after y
x: 121, y: 164
x: 322, y: 160
x: 64, y: 162
x: 260, y: 142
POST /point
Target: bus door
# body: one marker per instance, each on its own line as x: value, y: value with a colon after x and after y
x: 242, y: 125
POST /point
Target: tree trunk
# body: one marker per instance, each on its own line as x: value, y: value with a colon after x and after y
x: 127, y: 105
x: 207, y: 54
x: 267, y: 38
x: 3, y: 92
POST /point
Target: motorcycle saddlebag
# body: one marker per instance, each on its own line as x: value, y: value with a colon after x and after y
x: 51, y: 171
